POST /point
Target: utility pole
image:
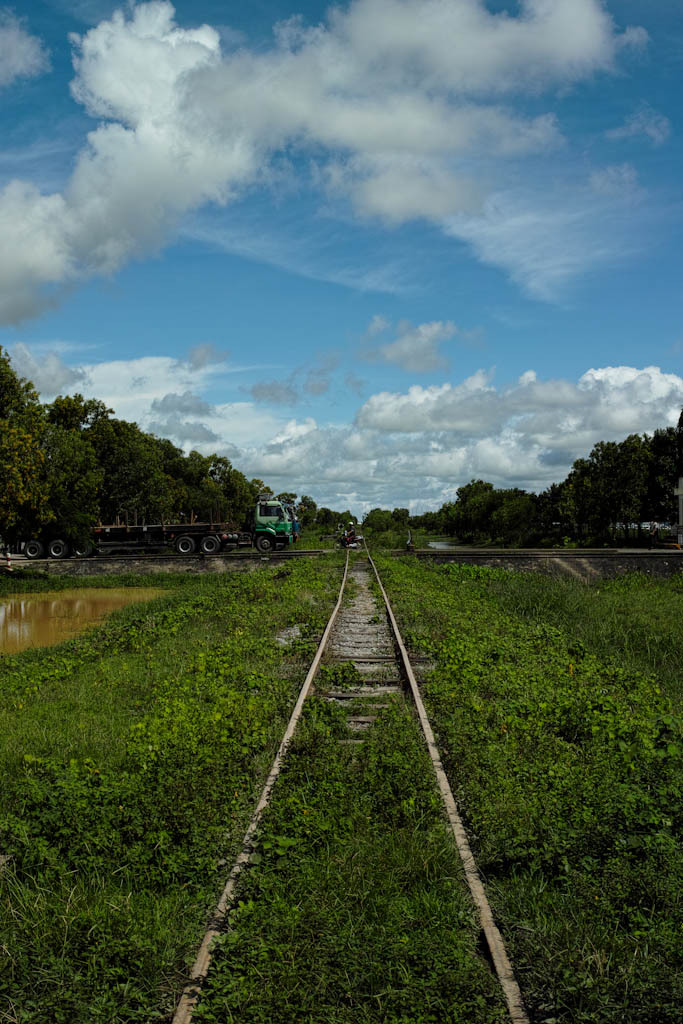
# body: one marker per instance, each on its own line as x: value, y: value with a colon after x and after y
x: 678, y: 491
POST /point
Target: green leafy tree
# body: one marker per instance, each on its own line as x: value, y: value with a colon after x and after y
x: 512, y: 522
x: 471, y: 516
x: 205, y: 497
x: 135, y: 487
x: 550, y: 518
x: 236, y: 489
x: 326, y: 518
x: 23, y: 494
x: 378, y: 520
x: 306, y: 510
x: 74, y: 479
x: 74, y: 412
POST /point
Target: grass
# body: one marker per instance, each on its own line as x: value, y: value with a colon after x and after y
x: 356, y: 911
x: 568, y: 767
x: 634, y: 619
x: 132, y: 762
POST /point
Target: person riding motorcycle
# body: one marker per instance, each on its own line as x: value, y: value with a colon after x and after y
x: 349, y: 536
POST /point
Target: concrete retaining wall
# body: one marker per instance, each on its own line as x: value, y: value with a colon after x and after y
x: 147, y: 564
x: 583, y: 564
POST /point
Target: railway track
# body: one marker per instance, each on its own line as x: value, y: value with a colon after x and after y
x: 363, y: 634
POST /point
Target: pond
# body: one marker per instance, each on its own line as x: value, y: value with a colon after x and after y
x: 40, y: 620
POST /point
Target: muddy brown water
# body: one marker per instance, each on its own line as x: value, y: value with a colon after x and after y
x: 40, y: 620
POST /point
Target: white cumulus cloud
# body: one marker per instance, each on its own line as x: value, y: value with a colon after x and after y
x: 410, y: 448
x: 415, y: 448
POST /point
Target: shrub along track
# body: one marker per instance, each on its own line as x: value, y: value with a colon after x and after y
x: 359, y: 688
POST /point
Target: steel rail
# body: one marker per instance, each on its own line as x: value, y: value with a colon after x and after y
x: 494, y: 939
x: 191, y: 992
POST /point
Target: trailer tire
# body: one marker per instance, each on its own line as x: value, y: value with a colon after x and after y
x: 58, y: 548
x: 84, y: 550
x: 34, y: 549
x: 185, y: 545
x: 264, y: 543
x: 210, y: 545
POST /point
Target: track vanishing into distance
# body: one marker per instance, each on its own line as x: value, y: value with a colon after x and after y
x: 366, y: 635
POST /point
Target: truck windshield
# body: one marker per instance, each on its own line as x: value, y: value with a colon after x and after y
x: 270, y: 511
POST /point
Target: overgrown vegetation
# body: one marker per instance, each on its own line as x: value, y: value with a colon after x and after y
x: 568, y: 766
x: 356, y: 911
x: 633, y: 620
x: 130, y: 759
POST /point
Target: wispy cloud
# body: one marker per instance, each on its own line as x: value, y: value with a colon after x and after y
x: 643, y: 121
x: 546, y: 240
x: 22, y: 55
x: 305, y: 253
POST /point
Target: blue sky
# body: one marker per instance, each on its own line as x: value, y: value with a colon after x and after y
x: 367, y: 253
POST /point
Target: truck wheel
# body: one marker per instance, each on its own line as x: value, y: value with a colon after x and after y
x: 58, y: 549
x: 84, y: 550
x: 34, y: 549
x: 264, y: 543
x: 210, y: 545
x: 185, y: 545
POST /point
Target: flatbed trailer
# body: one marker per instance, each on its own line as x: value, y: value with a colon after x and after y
x: 185, y: 538
x: 270, y: 529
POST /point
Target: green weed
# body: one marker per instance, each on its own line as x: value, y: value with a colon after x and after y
x: 569, y: 771
x: 116, y: 839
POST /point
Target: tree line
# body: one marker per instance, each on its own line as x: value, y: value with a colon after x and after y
x: 70, y: 464
x: 605, y: 499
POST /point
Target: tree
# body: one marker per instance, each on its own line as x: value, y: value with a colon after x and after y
x: 74, y: 412
x: 512, y: 522
x: 23, y: 494
x: 378, y: 520
x: 237, y: 490
x: 134, y: 483
x: 326, y: 518
x: 550, y: 518
x: 306, y: 510
x: 471, y: 515
x: 18, y: 398
x: 73, y: 480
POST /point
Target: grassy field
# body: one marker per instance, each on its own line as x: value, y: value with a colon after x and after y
x: 635, y: 620
x: 131, y: 757
x: 566, y: 755
x: 129, y: 762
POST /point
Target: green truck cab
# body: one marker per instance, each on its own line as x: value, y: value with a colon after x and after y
x: 272, y: 525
